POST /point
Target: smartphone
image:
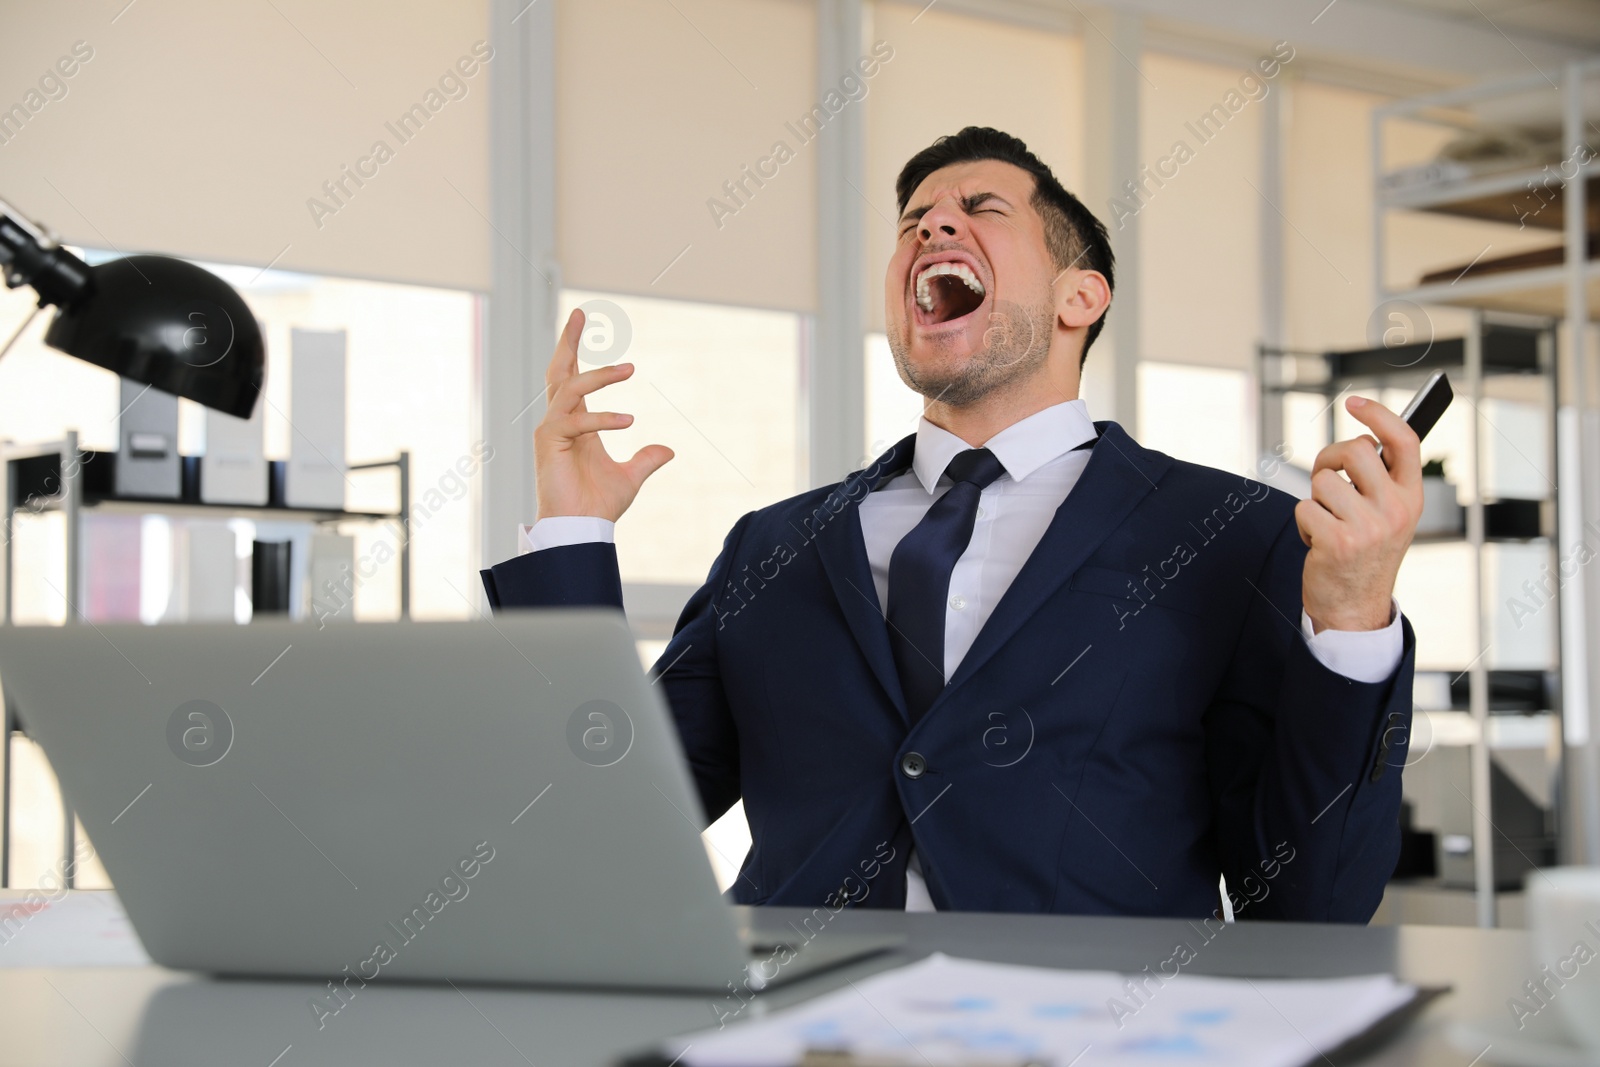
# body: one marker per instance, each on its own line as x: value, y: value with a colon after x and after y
x: 1426, y: 407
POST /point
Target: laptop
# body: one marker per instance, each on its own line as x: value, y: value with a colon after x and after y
x: 491, y: 801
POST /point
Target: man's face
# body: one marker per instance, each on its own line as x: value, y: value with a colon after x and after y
x: 968, y: 297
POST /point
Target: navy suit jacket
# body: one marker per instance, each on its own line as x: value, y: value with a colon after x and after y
x: 1139, y: 714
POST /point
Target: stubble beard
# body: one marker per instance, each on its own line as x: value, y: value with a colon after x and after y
x: 1016, y: 346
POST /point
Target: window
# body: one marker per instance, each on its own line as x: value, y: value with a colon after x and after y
x: 893, y: 409
x: 1200, y: 414
x: 718, y: 385
x: 411, y: 354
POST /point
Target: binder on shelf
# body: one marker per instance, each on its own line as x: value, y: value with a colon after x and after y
x: 331, y: 578
x: 113, y: 547
x: 147, y: 435
x: 315, y: 474
x: 206, y: 571
x: 269, y: 577
x: 234, y: 467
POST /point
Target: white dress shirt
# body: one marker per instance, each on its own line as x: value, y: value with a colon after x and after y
x: 1041, y: 469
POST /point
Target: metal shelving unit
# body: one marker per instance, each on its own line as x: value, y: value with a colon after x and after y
x: 1540, y: 294
x: 69, y: 495
x: 1558, y: 200
x: 1492, y: 348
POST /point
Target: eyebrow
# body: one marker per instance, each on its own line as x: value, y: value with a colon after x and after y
x: 968, y: 205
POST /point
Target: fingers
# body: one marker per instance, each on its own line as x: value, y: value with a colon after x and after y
x: 1314, y: 521
x: 578, y: 423
x: 1338, y: 496
x: 1357, y: 457
x: 1357, y: 531
x: 564, y: 363
x: 568, y: 396
x: 1389, y: 486
x: 1402, y: 451
x: 1371, y: 498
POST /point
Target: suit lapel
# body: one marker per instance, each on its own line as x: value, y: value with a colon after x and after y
x: 843, y: 551
x: 1118, y: 476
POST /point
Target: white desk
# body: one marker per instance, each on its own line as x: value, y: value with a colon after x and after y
x: 151, y: 1017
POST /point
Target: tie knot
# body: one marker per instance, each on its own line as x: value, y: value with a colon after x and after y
x: 976, y: 465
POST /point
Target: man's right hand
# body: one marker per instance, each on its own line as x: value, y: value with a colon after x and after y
x: 575, y: 475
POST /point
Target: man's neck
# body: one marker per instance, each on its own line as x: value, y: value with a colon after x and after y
x: 976, y: 423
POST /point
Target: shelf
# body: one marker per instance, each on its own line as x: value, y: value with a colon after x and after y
x: 1541, y: 291
x: 36, y: 478
x: 1512, y: 692
x: 193, y: 509
x: 35, y: 470
x: 1506, y: 350
x: 1461, y: 539
x: 1506, y: 521
x: 1453, y: 728
x: 1427, y: 902
x: 1485, y: 198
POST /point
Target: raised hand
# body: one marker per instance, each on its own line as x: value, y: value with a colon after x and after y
x: 1358, y: 530
x: 575, y: 475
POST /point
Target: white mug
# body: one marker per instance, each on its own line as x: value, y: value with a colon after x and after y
x: 1564, y: 928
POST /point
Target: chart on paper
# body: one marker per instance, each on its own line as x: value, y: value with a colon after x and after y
x: 947, y: 1012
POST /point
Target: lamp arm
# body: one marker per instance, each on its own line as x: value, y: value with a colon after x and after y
x: 31, y: 256
x: 19, y: 330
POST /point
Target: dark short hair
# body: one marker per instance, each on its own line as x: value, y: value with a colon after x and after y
x: 1072, y: 235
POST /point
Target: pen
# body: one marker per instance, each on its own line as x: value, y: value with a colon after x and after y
x: 837, y: 1057
x: 833, y: 1057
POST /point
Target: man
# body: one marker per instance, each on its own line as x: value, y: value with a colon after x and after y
x: 1020, y: 663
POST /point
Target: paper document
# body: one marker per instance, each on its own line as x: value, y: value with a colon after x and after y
x: 944, y: 1012
x: 82, y: 929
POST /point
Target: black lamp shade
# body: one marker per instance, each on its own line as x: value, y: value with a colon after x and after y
x: 171, y: 325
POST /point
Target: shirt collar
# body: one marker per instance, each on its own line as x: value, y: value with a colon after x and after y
x: 1022, y: 448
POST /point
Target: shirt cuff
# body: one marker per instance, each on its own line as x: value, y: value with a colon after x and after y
x: 1359, y: 655
x: 558, y: 531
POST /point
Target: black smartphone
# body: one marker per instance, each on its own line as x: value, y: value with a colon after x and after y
x: 1426, y: 407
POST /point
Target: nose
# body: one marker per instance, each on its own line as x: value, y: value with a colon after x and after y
x: 943, y: 219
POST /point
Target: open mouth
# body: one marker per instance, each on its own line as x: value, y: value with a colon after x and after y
x: 947, y: 291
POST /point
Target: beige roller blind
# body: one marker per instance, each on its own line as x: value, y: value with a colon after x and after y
x: 208, y: 130
x: 686, y: 167
x: 1200, y: 152
x: 1328, y: 193
x: 951, y: 71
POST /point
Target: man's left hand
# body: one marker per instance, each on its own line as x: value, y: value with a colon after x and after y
x: 1358, y: 530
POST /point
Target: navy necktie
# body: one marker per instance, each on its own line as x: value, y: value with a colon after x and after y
x: 919, y: 578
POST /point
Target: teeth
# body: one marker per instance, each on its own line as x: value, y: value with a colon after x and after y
x: 956, y: 270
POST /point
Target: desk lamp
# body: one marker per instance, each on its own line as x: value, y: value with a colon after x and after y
x: 152, y: 319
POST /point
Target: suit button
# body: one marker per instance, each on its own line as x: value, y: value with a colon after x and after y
x: 912, y: 765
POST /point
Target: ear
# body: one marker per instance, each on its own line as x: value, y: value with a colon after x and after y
x: 1081, y: 297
